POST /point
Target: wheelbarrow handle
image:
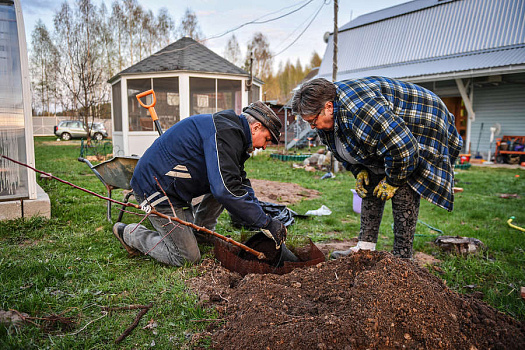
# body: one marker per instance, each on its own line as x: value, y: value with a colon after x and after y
x: 97, y: 174
x: 150, y: 107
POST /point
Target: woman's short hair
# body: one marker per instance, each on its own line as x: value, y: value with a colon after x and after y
x: 312, y: 96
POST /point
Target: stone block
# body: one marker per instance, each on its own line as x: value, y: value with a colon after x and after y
x: 41, y: 206
x: 10, y: 210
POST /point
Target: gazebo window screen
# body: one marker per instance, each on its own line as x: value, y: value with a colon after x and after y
x: 168, y: 101
x: 229, y: 95
x: 202, y: 96
x: 208, y: 95
x: 117, y: 106
x: 167, y: 105
x: 139, y: 119
x: 13, y: 178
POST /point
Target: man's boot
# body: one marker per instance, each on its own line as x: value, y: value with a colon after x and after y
x: 361, y: 245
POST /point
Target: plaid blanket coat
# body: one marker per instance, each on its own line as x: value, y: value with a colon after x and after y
x: 402, y: 127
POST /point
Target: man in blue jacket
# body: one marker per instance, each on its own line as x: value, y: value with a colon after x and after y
x: 200, y: 155
x: 397, y: 138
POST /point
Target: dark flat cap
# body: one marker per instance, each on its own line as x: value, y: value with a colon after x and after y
x: 267, y: 117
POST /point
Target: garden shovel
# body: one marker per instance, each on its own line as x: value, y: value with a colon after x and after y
x: 151, y: 108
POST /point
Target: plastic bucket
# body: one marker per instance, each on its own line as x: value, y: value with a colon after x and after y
x: 464, y: 158
x: 356, y: 202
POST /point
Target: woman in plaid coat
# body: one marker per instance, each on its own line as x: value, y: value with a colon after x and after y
x: 397, y: 138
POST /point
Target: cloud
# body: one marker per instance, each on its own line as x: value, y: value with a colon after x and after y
x: 205, y: 13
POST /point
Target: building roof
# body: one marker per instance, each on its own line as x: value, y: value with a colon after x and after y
x: 431, y: 40
x: 391, y: 12
x: 480, y: 63
x: 184, y: 54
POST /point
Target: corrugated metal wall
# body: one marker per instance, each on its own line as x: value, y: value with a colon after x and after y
x: 447, y: 29
x: 503, y: 104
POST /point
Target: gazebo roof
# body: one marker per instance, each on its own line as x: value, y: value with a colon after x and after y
x: 184, y: 54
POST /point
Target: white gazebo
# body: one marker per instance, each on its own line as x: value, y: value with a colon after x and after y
x: 188, y: 79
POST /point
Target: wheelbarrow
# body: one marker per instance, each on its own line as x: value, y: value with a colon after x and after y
x: 114, y: 173
x: 117, y: 172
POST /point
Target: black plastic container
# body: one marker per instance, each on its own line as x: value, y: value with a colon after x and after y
x: 274, y: 257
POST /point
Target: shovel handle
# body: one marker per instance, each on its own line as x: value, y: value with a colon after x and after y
x: 150, y: 107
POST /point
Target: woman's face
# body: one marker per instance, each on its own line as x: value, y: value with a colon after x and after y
x: 324, y: 120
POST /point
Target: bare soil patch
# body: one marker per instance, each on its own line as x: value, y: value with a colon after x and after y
x: 368, y: 300
x: 277, y: 192
x: 61, y: 143
x: 281, y: 192
x: 329, y: 246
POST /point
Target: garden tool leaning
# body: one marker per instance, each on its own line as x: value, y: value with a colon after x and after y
x: 151, y: 108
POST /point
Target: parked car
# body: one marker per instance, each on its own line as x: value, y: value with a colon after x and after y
x: 69, y: 129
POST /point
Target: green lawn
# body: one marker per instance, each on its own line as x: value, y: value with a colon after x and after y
x: 71, y: 265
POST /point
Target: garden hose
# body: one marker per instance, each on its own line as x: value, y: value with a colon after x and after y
x: 509, y: 221
x: 427, y: 225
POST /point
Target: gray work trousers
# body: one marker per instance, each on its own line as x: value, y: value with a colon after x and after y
x: 173, y: 243
x: 405, y: 210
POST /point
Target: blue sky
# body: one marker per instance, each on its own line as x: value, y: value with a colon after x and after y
x: 218, y: 16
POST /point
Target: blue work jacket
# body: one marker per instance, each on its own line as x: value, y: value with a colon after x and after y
x: 199, y: 155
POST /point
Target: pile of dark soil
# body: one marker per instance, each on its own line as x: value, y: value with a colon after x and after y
x: 370, y: 300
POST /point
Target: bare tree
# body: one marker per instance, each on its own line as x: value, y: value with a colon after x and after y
x: 141, y: 31
x: 64, y: 33
x: 262, y: 56
x: 119, y: 28
x: 88, y: 61
x: 92, y: 46
x: 165, y: 27
x: 83, y: 66
x: 315, y: 61
x: 44, y: 62
x: 106, y: 41
x: 189, y: 26
x: 232, y: 52
x: 150, y: 35
x: 130, y: 10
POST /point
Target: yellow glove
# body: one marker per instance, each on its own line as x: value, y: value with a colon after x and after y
x: 361, y: 180
x: 384, y: 190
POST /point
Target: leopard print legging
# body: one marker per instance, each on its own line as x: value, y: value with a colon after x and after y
x: 405, y: 210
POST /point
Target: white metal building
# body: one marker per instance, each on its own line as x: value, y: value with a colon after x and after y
x: 188, y: 79
x: 470, y: 52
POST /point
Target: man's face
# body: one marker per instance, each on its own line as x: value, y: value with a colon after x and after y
x: 324, y: 120
x: 260, y: 136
